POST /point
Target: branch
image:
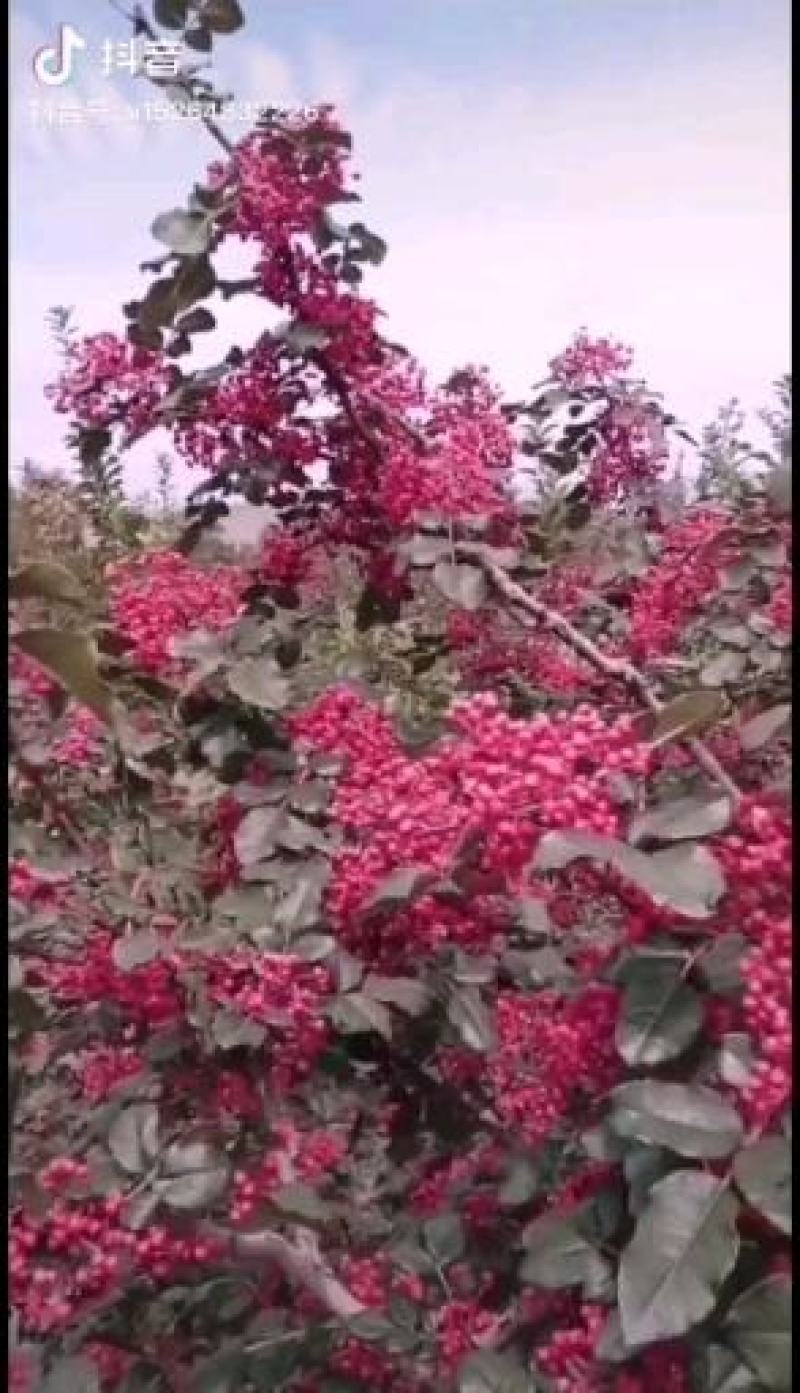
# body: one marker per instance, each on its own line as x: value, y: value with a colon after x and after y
x: 302, y: 1265
x: 615, y: 668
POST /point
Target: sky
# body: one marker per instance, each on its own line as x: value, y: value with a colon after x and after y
x: 537, y: 166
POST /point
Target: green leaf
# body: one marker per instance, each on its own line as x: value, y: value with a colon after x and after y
x: 314, y: 948
x: 718, y: 1370
x: 136, y: 949
x: 557, y: 1255
x: 689, y: 1119
x: 187, y: 234
x: 199, y: 39
x: 256, y: 837
x: 222, y: 1373
x: 683, y: 716
x: 538, y: 967
x: 778, y: 484
x: 375, y: 1328
x: 521, y: 1183
x: 404, y: 993
x: 133, y: 1137
x: 759, y: 1327
x: 401, y: 888
x: 642, y: 1167
x: 301, y: 1203
x: 685, y: 878
x: 197, y: 321
x: 763, y: 1173
x: 170, y: 13
x: 764, y: 726
x: 304, y: 338
x: 232, y: 1032
x: 682, y: 820
x: 370, y: 247
x: 736, y: 1059
x: 488, y: 1372
x: 72, y: 1375
x: 720, y: 965
x: 467, y: 1013
x: 444, y: 1238
x: 45, y: 580
x: 726, y: 667
x: 684, y: 1246
x: 464, y: 585
x: 222, y: 16
x: 197, y: 1176
x: 357, y: 1014
x: 660, y: 1016
x: 72, y: 660
x: 259, y: 682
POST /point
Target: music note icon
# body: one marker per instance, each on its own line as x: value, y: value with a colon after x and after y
x: 52, y: 65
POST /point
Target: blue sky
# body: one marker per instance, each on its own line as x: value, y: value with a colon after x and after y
x: 535, y: 164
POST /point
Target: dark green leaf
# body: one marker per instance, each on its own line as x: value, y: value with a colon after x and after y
x: 45, y: 580
x: 199, y: 39
x: 718, y: 1370
x: 726, y: 667
x: 521, y: 1183
x: 444, y: 1238
x: 681, y: 820
x: 401, y: 888
x: 467, y: 1013
x: 489, y: 1372
x: 222, y: 1373
x: 689, y: 1119
x: 170, y: 13
x: 259, y: 682
x: 188, y: 234
x: 763, y: 1173
x: 684, y: 715
x: 72, y: 660
x: 764, y: 726
x: 557, y: 1255
x: 405, y: 993
x: 720, y: 965
x: 736, y: 1059
x: 136, y: 949
x: 198, y: 1176
x: 685, y: 878
x: 684, y: 1246
x: 197, y: 321
x: 133, y: 1137
x: 222, y: 16
x: 660, y: 1015
x: 256, y: 837
x: 357, y: 1014
x: 759, y: 1327
x: 72, y: 1375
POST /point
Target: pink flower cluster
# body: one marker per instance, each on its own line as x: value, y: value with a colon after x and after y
x: 108, y: 382
x: 588, y: 362
x: 502, y: 780
x: 158, y: 596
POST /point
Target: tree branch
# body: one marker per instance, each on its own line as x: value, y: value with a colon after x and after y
x: 616, y: 668
x: 303, y: 1266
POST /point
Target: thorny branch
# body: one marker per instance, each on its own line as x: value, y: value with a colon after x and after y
x: 301, y: 1264
x: 616, y: 668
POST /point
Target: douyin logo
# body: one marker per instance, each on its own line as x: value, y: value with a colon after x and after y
x: 52, y: 65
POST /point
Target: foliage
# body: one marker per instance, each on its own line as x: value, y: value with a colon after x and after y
x: 400, y: 954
